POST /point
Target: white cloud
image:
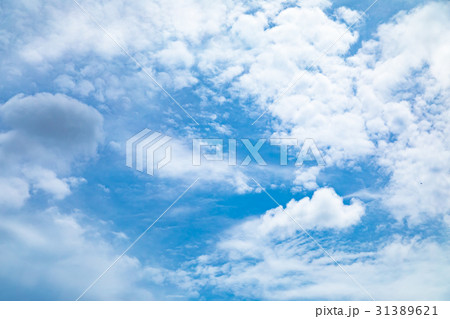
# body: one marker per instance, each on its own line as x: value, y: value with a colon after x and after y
x: 387, y: 102
x: 398, y: 115
x: 176, y: 55
x: 307, y: 178
x: 163, y: 39
x: 420, y: 182
x: 404, y: 93
x: 47, y: 126
x: 296, y: 269
x: 218, y: 172
x: 222, y: 128
x: 13, y: 192
x: 349, y: 106
x: 63, y: 254
x: 348, y: 15
x: 222, y: 36
x: 46, y: 180
x: 65, y: 82
x: 44, y: 134
x: 325, y: 210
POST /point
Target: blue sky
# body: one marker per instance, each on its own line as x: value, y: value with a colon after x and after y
x: 375, y: 99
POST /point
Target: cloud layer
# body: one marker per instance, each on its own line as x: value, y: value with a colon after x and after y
x: 383, y: 108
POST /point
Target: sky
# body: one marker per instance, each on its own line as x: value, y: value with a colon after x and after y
x: 368, y: 83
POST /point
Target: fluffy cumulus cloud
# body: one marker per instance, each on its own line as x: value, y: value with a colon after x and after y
x: 324, y: 210
x: 15, y: 192
x: 221, y: 40
x: 155, y: 32
x: 47, y: 181
x: 57, y: 123
x: 405, y: 95
x: 384, y: 105
x: 43, y: 134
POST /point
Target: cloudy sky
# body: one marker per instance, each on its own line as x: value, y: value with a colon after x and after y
x: 370, y: 87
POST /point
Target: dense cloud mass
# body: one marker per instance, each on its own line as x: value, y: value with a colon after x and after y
x: 55, y: 122
x: 44, y: 135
